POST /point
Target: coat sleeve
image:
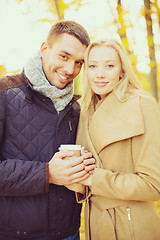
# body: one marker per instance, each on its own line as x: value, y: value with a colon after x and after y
x: 18, y: 177
x: 144, y: 183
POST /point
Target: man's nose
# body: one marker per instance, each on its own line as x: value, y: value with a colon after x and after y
x: 69, y: 68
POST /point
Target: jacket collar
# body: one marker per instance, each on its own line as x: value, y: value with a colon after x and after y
x: 30, y: 93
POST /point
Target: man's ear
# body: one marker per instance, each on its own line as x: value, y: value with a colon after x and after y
x: 43, y: 48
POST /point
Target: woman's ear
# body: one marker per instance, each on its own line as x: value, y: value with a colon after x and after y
x: 121, y: 76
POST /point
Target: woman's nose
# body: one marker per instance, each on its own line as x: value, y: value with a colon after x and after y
x: 100, y: 72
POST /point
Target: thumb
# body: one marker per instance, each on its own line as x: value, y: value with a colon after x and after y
x: 82, y: 151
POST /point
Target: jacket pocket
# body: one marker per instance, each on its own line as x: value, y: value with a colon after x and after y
x: 144, y: 221
x: 23, y: 216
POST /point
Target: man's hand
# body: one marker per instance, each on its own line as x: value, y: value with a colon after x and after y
x: 68, y: 171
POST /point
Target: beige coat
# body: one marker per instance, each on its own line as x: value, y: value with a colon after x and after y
x: 125, y: 140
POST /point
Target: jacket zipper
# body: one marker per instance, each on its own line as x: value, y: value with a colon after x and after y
x: 130, y: 222
x: 70, y: 125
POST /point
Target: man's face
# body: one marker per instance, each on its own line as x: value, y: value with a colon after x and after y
x: 63, y: 61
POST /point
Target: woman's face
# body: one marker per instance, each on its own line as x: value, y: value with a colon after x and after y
x: 104, y: 69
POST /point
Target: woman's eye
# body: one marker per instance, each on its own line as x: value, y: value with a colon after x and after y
x: 92, y: 66
x: 109, y: 66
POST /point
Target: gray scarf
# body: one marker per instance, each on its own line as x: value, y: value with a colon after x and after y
x: 34, y: 72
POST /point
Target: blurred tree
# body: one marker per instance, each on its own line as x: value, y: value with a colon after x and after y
x: 56, y: 7
x: 122, y: 27
x: 3, y: 70
x: 157, y: 10
x: 151, y: 45
x: 119, y: 16
x: 58, y: 10
x: 59, y: 6
x: 123, y: 23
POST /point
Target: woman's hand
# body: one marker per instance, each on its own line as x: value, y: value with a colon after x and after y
x: 76, y: 187
x: 89, y: 161
x: 87, y: 181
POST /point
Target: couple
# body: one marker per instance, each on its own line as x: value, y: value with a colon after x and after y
x: 118, y: 125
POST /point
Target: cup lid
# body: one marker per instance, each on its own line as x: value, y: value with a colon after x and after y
x: 70, y: 147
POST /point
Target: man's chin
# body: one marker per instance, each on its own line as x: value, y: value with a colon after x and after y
x: 63, y: 85
x: 59, y: 84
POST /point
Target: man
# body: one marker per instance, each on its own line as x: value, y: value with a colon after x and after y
x: 38, y: 113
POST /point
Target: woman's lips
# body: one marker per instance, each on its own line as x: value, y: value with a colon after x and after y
x: 100, y: 83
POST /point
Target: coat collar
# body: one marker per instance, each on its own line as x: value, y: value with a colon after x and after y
x: 115, y: 121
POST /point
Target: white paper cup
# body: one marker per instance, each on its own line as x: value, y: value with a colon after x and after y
x: 71, y: 147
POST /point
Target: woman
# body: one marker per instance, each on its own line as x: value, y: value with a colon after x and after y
x: 120, y: 125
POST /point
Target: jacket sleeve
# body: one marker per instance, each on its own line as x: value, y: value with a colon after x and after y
x: 144, y: 183
x: 18, y: 177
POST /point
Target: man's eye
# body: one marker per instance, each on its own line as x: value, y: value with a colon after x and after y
x: 79, y: 63
x: 64, y: 57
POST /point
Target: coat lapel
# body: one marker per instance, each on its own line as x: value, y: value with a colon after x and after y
x: 83, y: 137
x: 114, y: 121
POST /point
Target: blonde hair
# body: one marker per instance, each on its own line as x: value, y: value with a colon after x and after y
x: 129, y: 84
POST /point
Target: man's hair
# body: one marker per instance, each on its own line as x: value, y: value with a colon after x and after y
x: 69, y: 27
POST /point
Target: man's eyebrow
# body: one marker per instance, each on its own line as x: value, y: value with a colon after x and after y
x: 81, y: 60
x: 69, y: 54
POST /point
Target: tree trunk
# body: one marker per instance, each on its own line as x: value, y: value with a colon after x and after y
x: 122, y: 27
x: 153, y: 63
x: 158, y: 11
x: 60, y: 17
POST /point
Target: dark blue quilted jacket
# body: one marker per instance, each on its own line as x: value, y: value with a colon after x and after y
x: 30, y: 133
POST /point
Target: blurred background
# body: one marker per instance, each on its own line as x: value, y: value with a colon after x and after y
x: 24, y: 24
